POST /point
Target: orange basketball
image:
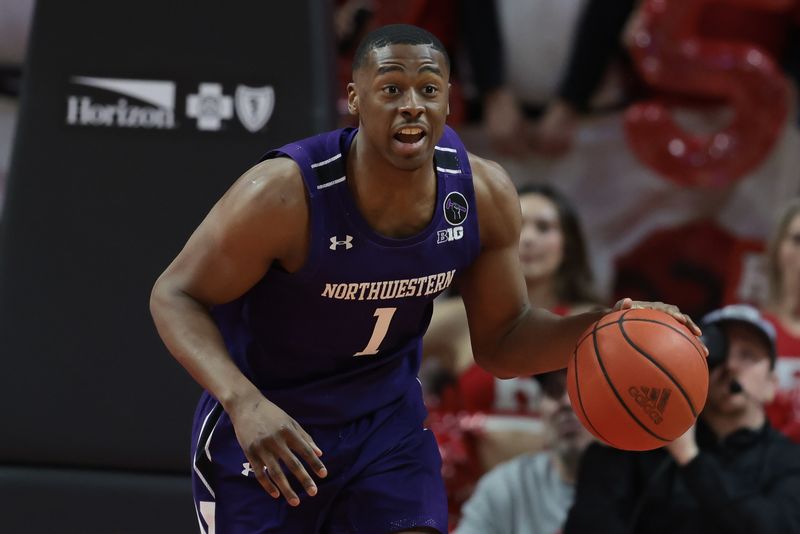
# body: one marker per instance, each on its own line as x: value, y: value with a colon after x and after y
x: 638, y: 379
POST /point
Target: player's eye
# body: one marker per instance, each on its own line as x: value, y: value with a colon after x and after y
x: 430, y: 89
x: 391, y: 90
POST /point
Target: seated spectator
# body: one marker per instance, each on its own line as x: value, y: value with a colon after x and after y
x: 532, y: 493
x: 731, y: 473
x: 783, y: 311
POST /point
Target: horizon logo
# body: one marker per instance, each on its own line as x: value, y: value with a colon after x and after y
x: 652, y: 400
x: 82, y: 110
x: 347, y: 242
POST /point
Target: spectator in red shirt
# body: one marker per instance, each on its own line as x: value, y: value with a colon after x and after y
x: 783, y: 310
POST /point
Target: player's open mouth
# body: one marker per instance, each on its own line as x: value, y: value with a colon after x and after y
x: 411, y: 135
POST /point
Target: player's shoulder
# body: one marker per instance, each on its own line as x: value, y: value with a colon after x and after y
x: 497, y: 200
x: 272, y: 185
x: 491, y: 178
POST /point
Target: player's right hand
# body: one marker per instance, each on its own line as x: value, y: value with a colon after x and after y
x: 269, y: 437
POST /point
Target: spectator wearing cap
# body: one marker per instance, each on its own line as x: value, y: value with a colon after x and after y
x: 532, y: 493
x: 731, y: 473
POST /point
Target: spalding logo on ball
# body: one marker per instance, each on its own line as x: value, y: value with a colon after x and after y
x: 638, y: 379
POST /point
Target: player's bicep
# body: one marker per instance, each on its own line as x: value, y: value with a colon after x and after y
x: 493, y: 288
x: 259, y: 220
x: 494, y: 295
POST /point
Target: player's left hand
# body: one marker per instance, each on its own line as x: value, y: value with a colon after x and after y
x: 684, y: 449
x: 670, y: 309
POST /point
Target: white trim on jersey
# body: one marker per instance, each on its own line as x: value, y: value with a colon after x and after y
x: 208, y: 510
x: 449, y: 171
x: 321, y: 163
x: 208, y: 441
x: 199, y: 521
x: 445, y: 149
x: 337, y: 181
x: 197, y: 447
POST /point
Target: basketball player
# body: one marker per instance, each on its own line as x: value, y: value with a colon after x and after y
x: 300, y: 301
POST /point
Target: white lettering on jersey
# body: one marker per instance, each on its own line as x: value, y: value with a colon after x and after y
x: 449, y: 234
x: 390, y: 289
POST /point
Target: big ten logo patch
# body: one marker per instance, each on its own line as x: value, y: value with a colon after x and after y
x: 449, y: 234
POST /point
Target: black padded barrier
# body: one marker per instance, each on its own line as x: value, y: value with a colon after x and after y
x: 135, y: 117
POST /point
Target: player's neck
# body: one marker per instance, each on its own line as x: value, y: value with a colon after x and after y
x: 394, y: 202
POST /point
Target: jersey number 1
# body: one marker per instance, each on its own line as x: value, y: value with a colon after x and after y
x: 384, y: 316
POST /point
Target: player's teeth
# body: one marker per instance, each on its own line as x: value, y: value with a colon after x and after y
x: 410, y: 131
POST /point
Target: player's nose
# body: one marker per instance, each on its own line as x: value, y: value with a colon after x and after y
x: 411, y: 106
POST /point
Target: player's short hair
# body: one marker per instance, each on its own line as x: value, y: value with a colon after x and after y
x: 396, y: 34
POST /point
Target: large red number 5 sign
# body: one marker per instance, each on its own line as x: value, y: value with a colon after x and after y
x: 674, y: 60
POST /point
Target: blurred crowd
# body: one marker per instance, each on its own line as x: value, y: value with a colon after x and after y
x: 573, y: 97
x: 653, y: 143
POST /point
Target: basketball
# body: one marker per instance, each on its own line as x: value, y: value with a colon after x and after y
x: 638, y: 379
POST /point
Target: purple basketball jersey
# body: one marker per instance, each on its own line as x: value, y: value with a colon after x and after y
x: 341, y: 337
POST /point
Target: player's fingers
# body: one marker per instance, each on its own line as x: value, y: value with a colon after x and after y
x: 261, y: 475
x: 273, y: 471
x: 299, y: 471
x: 692, y: 326
x: 302, y: 444
x: 682, y: 318
x: 623, y: 304
x: 307, y: 437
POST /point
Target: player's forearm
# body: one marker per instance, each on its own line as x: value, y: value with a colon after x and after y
x: 537, y: 342
x: 194, y: 340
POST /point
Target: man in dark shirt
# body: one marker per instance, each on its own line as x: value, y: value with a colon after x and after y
x: 733, y: 473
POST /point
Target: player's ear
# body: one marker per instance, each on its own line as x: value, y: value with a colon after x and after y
x: 449, y: 86
x: 352, y: 99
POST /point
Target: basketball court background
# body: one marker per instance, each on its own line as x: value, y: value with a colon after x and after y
x: 134, y: 120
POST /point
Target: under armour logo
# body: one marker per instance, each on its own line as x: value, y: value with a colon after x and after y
x: 652, y: 400
x: 347, y: 242
x: 247, y: 469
